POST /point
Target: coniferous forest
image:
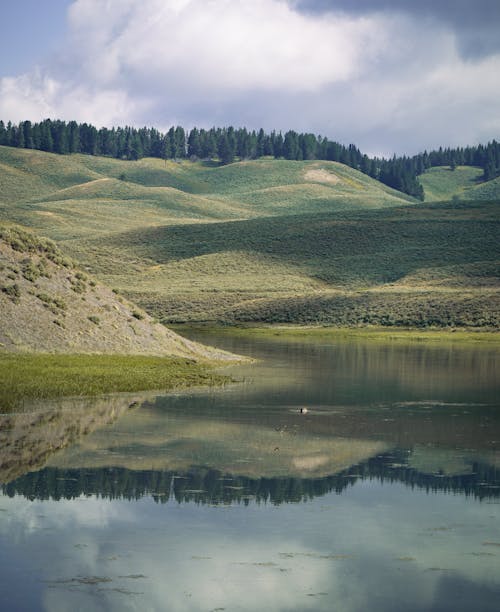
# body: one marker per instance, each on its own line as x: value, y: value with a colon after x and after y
x: 209, y: 486
x: 229, y: 144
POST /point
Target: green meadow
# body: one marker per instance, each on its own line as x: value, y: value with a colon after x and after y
x: 268, y: 241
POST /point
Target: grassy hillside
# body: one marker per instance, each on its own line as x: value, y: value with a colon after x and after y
x: 463, y: 183
x: 442, y: 183
x: 406, y: 266
x: 267, y: 240
x: 49, y: 305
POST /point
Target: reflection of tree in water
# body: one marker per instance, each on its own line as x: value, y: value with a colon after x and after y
x: 207, y: 486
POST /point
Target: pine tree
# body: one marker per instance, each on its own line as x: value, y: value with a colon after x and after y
x: 180, y: 143
x: 224, y: 149
x: 260, y: 150
x: 170, y: 146
x: 28, y: 135
x: 291, y: 145
x: 19, y: 136
x: 277, y: 145
x: 73, y: 137
x: 194, y: 144
x: 46, y: 141
x: 60, y: 136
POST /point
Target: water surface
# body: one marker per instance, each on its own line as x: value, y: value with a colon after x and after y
x: 384, y: 496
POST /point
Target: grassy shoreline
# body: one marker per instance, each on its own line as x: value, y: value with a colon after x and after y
x: 312, y: 332
x: 29, y: 377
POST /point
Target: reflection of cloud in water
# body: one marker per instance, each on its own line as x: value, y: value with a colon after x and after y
x: 337, y: 552
x: 85, y: 512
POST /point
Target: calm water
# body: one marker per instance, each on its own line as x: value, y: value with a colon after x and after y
x: 385, y: 496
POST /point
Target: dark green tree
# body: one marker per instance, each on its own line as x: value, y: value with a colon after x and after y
x: 291, y: 145
x: 194, y: 144
x: 225, y: 150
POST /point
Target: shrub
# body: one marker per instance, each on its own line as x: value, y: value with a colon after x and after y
x: 94, y: 319
x: 13, y: 292
x: 78, y: 285
x: 54, y: 304
x: 30, y: 271
x: 59, y: 303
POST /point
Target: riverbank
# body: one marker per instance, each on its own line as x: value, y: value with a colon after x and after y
x: 29, y: 377
x: 380, y: 334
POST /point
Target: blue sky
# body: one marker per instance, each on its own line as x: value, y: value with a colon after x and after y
x: 388, y: 75
x: 35, y: 30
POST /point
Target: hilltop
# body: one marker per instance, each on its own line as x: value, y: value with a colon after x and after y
x: 267, y: 240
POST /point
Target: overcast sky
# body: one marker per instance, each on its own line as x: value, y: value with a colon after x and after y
x: 387, y: 75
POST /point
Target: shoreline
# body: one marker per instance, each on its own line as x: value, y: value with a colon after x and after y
x: 32, y: 377
x: 393, y: 334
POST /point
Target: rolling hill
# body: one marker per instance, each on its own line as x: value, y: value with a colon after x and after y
x: 463, y: 183
x: 268, y: 240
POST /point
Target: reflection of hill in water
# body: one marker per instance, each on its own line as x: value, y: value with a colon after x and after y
x: 329, y: 369
x: 28, y: 439
x: 209, y: 486
x: 256, y: 445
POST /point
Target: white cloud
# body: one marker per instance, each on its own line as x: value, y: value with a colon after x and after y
x: 385, y: 81
x: 228, y: 44
x: 38, y: 96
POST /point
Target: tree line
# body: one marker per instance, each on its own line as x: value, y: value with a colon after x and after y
x: 210, y: 486
x: 229, y: 144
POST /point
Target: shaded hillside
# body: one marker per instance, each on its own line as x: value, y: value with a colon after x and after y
x: 432, y: 265
x: 47, y: 304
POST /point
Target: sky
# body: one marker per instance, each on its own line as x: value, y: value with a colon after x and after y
x: 390, y: 76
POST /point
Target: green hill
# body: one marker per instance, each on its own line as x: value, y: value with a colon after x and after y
x: 282, y: 269
x: 464, y: 183
x: 267, y: 240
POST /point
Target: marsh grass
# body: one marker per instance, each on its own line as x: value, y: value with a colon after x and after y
x: 31, y: 377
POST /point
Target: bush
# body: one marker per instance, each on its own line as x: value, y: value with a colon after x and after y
x: 13, y: 292
x: 54, y: 304
x: 78, y: 285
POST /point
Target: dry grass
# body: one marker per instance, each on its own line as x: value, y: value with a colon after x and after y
x: 48, y: 305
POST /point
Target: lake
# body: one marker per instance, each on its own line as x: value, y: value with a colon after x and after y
x: 383, y: 496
